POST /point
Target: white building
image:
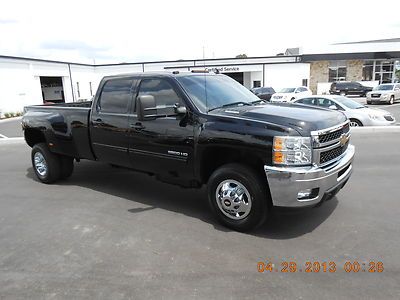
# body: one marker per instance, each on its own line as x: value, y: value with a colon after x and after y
x: 26, y: 81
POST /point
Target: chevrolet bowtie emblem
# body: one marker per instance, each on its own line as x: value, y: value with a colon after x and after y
x: 343, y: 139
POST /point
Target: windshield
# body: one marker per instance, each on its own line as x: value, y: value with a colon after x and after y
x: 348, y: 103
x: 287, y: 90
x: 212, y: 91
x: 384, y: 87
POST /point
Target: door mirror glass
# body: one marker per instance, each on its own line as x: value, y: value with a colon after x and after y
x: 180, y: 110
x: 147, y: 109
x: 332, y: 107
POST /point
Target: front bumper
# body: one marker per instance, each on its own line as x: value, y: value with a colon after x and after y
x: 378, y: 99
x: 380, y: 122
x: 285, y: 184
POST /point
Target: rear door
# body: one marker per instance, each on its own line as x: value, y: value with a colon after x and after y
x: 165, y: 145
x: 109, y: 121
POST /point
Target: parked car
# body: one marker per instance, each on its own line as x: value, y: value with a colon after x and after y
x: 344, y: 88
x: 388, y: 93
x: 192, y: 132
x: 264, y: 93
x: 358, y: 114
x: 290, y: 94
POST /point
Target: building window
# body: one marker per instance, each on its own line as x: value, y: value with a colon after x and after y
x: 256, y: 83
x: 397, y: 71
x: 90, y: 86
x: 368, y: 70
x: 77, y: 89
x: 304, y: 82
x: 337, y: 70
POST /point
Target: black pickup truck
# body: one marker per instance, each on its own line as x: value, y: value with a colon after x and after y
x: 193, y: 129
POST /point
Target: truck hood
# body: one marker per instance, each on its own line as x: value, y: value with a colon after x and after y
x: 302, y: 118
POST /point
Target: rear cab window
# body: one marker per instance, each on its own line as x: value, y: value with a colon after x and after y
x: 116, y: 96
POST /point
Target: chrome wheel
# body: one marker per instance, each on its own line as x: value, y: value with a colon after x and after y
x: 40, y: 164
x: 354, y: 124
x: 233, y: 199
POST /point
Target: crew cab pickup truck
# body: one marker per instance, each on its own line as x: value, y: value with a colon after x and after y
x: 195, y: 129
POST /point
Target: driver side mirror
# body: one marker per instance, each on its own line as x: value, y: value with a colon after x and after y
x: 180, y: 110
x: 333, y: 107
x: 147, y: 109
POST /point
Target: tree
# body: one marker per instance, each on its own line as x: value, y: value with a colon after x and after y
x: 241, y: 56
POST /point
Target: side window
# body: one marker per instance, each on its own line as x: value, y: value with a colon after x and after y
x: 309, y: 101
x: 116, y: 96
x: 323, y: 102
x: 161, y: 90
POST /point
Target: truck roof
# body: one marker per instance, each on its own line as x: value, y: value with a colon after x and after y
x: 164, y: 74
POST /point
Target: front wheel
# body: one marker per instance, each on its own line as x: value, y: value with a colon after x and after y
x: 46, y: 164
x: 238, y: 197
x: 342, y: 93
x: 355, y: 123
x: 391, y: 101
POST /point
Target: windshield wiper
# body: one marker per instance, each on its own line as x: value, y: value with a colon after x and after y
x: 259, y: 101
x: 229, y: 104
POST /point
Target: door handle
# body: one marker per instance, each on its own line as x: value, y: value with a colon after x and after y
x: 98, y: 121
x: 137, y: 126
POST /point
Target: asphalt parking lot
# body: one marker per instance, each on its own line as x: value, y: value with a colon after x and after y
x: 114, y: 234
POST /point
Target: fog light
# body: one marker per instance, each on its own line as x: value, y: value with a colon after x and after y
x: 307, y: 194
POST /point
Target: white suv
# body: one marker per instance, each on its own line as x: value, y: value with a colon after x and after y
x: 291, y: 94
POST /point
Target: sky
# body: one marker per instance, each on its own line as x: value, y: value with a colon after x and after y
x: 133, y: 31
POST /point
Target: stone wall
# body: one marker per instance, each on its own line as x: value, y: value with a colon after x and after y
x: 354, y: 70
x: 319, y: 72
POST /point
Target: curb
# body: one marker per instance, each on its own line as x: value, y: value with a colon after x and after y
x: 14, y: 140
x: 368, y: 129
x: 10, y: 119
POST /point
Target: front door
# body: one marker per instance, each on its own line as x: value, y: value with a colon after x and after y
x: 163, y: 146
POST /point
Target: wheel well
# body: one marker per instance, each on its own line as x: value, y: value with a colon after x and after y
x: 356, y: 120
x: 34, y: 136
x: 216, y: 157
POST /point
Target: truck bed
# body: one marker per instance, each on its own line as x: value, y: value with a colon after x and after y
x: 64, y: 125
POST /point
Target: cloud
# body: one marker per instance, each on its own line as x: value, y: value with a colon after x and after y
x: 7, y: 21
x: 84, y: 49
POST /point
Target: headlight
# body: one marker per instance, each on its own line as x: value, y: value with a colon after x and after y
x: 289, y: 150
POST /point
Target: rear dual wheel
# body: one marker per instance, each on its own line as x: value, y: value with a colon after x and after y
x: 50, y: 167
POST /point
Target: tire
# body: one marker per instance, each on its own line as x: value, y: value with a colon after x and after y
x: 391, y: 101
x: 292, y: 99
x: 233, y: 178
x: 342, y: 93
x: 67, y: 166
x: 369, y: 102
x: 46, y: 165
x: 355, y: 123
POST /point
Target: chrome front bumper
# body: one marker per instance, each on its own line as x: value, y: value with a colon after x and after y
x: 285, y: 184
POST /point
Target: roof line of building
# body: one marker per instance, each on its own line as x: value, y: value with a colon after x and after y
x: 392, y: 40
x: 139, y: 63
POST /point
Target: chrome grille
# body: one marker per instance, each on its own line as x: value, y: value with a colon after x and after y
x: 329, y: 155
x: 329, y: 144
x: 334, y: 135
x: 375, y: 95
